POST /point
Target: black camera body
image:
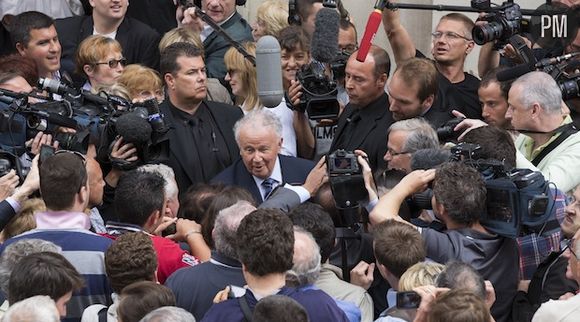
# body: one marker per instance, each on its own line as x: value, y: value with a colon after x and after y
x: 502, y: 24
x: 9, y: 161
x: 318, y: 92
x: 446, y: 132
x: 570, y: 86
x: 346, y: 179
x: 516, y: 198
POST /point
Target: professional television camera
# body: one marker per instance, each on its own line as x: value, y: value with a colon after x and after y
x: 318, y: 92
x: 142, y: 125
x: 515, y: 198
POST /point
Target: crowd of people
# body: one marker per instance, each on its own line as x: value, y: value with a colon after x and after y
x: 213, y: 207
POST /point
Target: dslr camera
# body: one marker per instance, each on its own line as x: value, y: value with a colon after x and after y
x: 346, y: 179
x: 503, y: 23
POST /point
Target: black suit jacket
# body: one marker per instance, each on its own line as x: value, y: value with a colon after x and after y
x: 224, y: 115
x: 371, y: 129
x: 139, y: 41
x: 294, y: 171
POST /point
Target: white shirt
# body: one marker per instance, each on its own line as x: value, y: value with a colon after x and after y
x: 303, y: 194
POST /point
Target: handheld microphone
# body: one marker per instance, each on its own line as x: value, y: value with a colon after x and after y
x: 155, y: 118
x: 133, y: 128
x: 426, y: 159
x: 370, y: 31
x: 555, y: 60
x: 324, y: 44
x: 270, y: 89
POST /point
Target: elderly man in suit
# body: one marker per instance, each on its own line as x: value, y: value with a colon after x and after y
x: 261, y: 167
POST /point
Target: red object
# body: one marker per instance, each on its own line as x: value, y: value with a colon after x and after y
x: 370, y: 31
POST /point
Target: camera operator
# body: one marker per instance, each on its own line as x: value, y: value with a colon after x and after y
x: 547, y: 140
x: 11, y: 197
x: 452, y: 43
x: 459, y: 196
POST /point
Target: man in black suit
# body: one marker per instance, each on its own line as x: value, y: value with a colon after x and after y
x: 364, y: 122
x: 108, y: 18
x: 262, y: 168
x: 201, y: 136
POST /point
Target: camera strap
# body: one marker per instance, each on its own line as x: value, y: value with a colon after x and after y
x: 248, y: 315
x: 568, y: 130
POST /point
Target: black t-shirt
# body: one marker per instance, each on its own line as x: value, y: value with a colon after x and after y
x: 461, y: 96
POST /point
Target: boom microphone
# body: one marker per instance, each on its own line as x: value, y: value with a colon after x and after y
x: 324, y: 44
x: 370, y: 31
x: 513, y: 72
x: 270, y: 89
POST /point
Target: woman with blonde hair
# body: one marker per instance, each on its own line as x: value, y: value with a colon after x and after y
x: 272, y: 16
x: 142, y: 82
x: 100, y: 61
x: 241, y: 75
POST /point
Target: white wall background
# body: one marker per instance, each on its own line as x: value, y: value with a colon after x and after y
x: 419, y: 23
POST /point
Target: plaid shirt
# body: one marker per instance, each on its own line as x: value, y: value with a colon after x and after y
x: 535, y: 248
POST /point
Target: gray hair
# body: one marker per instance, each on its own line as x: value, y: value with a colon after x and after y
x: 540, y: 88
x: 18, y: 250
x: 39, y: 308
x: 421, y: 134
x: 259, y: 117
x: 459, y: 275
x: 306, y: 267
x: 226, y: 226
x: 168, y: 314
x: 171, y: 189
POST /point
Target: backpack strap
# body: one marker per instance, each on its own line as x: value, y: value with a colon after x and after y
x: 568, y: 130
x: 245, y: 308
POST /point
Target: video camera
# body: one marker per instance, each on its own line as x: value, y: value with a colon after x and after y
x: 318, y: 91
x: 346, y: 179
x: 142, y: 125
x: 516, y: 198
x: 504, y: 22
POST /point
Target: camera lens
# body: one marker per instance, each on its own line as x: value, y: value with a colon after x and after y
x: 486, y: 33
x: 570, y: 89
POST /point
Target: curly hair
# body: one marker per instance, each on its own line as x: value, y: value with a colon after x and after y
x: 131, y: 258
x: 461, y: 190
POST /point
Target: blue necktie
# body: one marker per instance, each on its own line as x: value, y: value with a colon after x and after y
x: 268, y: 186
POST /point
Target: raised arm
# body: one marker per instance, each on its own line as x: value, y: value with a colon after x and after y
x: 400, y: 40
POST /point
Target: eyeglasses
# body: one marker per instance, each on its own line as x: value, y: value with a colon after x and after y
x: 394, y: 154
x: 113, y: 63
x: 78, y: 154
x: 567, y: 244
x: 449, y: 35
x: 350, y: 48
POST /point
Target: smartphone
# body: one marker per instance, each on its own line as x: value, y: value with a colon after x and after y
x: 408, y: 300
x: 45, y: 152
